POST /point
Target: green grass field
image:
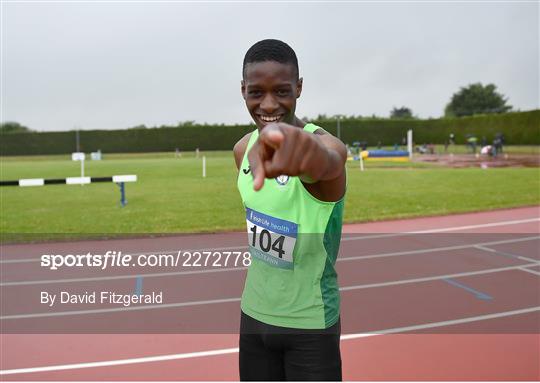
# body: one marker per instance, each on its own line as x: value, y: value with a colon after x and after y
x: 172, y: 197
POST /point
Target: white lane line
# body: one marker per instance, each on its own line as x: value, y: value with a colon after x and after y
x: 359, y: 238
x: 24, y: 260
x: 119, y: 277
x: 120, y: 362
x: 225, y: 351
x: 344, y: 259
x: 444, y: 230
x: 480, y: 247
x: 444, y: 323
x: 435, y: 249
x: 436, y: 278
x: 121, y: 309
x: 469, y: 227
x: 530, y: 271
x: 230, y: 300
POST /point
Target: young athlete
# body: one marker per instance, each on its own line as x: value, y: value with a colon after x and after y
x: 292, y: 183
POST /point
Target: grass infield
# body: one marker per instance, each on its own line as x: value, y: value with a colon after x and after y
x: 171, y: 196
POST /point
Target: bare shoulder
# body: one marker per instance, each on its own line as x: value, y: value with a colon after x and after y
x: 240, y: 148
x: 332, y: 142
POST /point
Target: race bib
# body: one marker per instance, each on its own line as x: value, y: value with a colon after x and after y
x: 271, y: 239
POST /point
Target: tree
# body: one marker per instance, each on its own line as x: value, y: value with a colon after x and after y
x: 139, y: 127
x: 13, y: 127
x: 187, y: 123
x: 476, y: 99
x: 402, y: 112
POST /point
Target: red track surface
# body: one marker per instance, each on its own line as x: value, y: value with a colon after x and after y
x: 388, y: 285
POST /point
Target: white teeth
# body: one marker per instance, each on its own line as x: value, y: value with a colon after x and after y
x: 270, y: 119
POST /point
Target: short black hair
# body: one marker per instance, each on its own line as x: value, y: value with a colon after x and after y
x: 270, y: 50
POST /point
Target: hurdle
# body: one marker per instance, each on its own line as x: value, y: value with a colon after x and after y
x: 120, y: 180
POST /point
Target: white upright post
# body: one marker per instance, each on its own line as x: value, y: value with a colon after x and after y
x: 79, y: 156
x: 204, y: 166
x: 409, y: 143
x: 361, y: 162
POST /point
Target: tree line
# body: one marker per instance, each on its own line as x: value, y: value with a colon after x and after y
x: 467, y: 101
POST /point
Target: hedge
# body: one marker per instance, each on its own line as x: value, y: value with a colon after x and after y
x: 519, y: 128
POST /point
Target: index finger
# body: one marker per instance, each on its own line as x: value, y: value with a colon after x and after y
x: 255, y: 159
x: 272, y: 136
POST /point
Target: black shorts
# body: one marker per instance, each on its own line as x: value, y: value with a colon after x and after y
x: 278, y: 353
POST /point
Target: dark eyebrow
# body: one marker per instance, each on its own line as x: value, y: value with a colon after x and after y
x: 282, y: 85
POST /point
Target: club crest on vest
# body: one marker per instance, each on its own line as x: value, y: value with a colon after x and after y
x: 282, y: 179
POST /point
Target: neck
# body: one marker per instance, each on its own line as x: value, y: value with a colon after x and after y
x: 298, y: 122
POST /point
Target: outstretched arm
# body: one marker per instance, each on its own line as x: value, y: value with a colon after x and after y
x: 318, y: 159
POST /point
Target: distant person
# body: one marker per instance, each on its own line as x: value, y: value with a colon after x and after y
x: 500, y: 140
x: 423, y: 149
x: 451, y: 142
x: 292, y: 182
x: 471, y: 142
x: 497, y: 146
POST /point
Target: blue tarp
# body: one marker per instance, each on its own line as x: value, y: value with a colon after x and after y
x: 388, y: 153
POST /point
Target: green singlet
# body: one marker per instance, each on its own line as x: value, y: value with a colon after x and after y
x: 294, y: 241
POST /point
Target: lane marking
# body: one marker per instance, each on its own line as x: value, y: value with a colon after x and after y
x: 427, y: 279
x: 445, y: 229
x: 120, y: 362
x: 117, y: 277
x: 476, y: 293
x: 344, y: 259
x: 230, y: 300
x: 138, y: 286
x: 530, y: 271
x: 436, y: 249
x: 120, y: 309
x: 225, y: 351
x: 469, y: 227
x: 451, y: 322
x: 510, y: 255
x: 359, y: 238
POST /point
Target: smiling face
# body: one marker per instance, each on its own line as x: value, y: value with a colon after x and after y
x: 270, y: 89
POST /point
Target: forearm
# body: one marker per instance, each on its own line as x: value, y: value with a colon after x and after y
x: 327, y: 161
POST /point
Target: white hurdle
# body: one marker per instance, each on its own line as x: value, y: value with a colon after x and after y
x: 120, y: 180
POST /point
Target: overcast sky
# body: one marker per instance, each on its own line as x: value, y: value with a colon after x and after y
x: 113, y: 65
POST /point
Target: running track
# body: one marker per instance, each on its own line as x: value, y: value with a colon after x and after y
x: 458, y: 300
